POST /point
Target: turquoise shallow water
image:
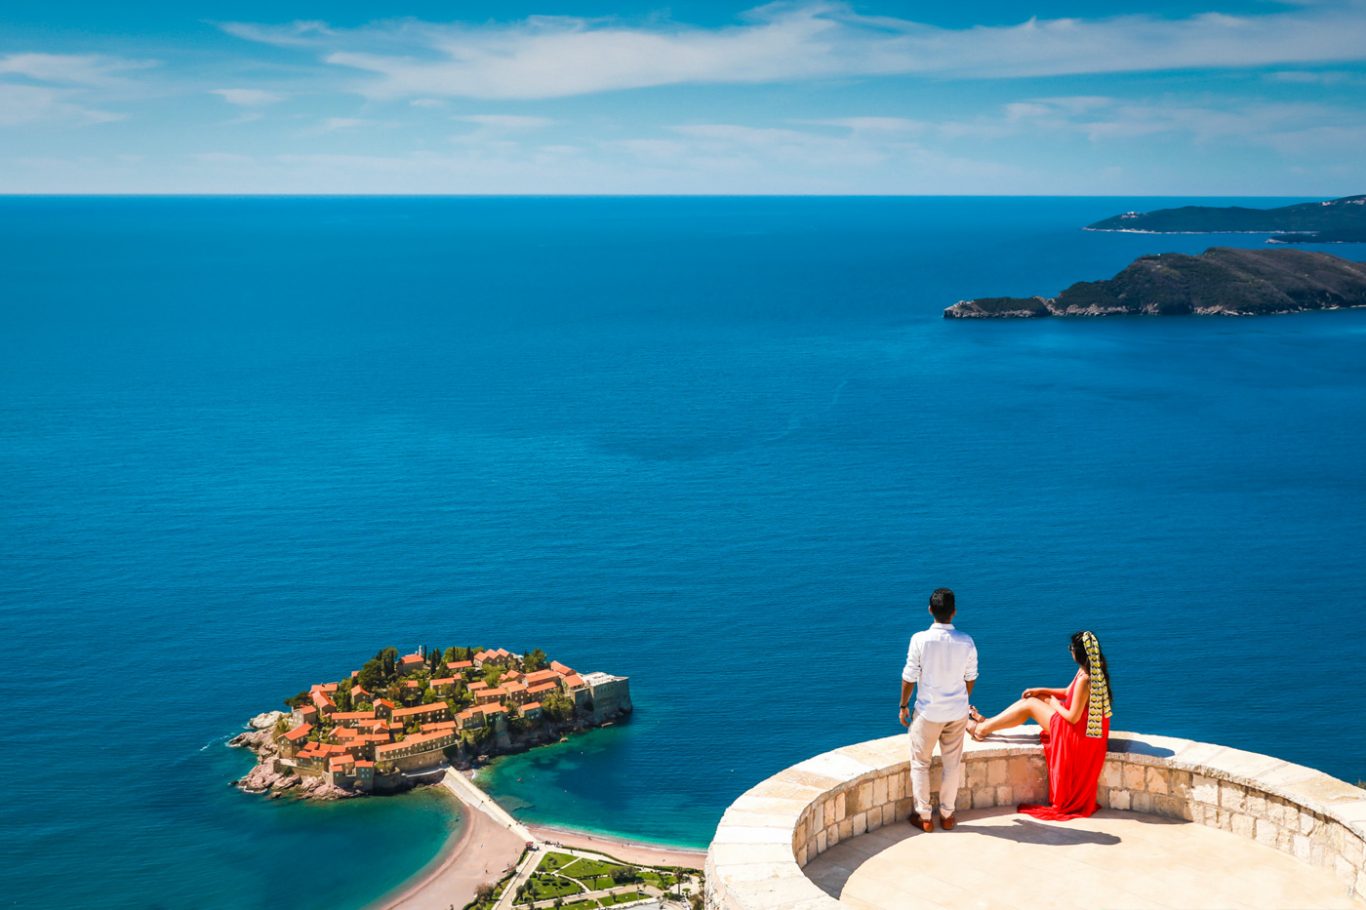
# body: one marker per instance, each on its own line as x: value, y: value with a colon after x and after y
x: 723, y: 446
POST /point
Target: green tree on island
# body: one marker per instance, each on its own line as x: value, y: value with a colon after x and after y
x: 535, y: 660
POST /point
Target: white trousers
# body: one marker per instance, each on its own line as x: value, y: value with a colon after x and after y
x: 949, y: 735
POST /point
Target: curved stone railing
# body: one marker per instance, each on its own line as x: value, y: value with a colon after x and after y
x: 767, y: 835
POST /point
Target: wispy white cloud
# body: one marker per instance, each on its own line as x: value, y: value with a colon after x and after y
x: 507, y: 121
x: 22, y: 105
x: 546, y: 57
x: 70, y: 69
x: 248, y: 97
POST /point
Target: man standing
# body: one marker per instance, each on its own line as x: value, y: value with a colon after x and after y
x: 941, y: 667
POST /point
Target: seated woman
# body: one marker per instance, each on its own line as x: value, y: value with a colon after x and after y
x: 1076, y: 731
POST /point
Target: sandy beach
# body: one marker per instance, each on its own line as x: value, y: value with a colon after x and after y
x: 481, y: 853
x: 626, y: 850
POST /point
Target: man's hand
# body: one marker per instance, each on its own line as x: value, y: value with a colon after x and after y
x: 905, y: 716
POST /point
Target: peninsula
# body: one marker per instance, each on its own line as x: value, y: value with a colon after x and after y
x: 1222, y: 281
x: 1332, y: 221
x: 398, y: 717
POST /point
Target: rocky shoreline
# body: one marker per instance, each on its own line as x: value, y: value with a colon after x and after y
x: 1222, y: 281
x: 264, y: 779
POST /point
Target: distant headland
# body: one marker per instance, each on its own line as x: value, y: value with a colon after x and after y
x: 400, y: 716
x: 1332, y: 221
x: 1222, y: 281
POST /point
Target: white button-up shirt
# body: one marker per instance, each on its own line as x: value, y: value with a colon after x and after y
x: 940, y: 661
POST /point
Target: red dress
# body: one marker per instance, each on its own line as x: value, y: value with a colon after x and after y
x: 1074, y: 763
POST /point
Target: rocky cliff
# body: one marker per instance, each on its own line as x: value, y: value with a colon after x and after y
x: 1220, y: 282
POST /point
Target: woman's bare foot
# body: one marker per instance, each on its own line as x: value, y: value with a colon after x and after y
x: 973, y: 726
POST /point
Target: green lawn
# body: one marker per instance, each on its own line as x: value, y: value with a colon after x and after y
x: 547, y: 887
x: 661, y: 880
x: 553, y: 861
x: 581, y: 905
x: 611, y: 899
x: 584, y: 869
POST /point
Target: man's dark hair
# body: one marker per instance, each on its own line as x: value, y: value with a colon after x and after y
x: 941, y: 604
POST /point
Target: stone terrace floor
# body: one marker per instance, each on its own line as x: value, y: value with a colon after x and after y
x: 997, y: 858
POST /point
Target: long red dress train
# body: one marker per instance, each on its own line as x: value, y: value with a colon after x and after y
x: 1074, y: 763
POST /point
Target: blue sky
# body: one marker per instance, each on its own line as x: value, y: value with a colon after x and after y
x: 1218, y: 97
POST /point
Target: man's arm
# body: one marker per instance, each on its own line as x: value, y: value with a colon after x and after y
x: 970, y: 670
x: 910, y: 675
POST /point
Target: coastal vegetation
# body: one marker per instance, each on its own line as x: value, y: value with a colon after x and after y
x: 399, y: 716
x: 1222, y: 281
x: 582, y: 881
x: 1331, y: 221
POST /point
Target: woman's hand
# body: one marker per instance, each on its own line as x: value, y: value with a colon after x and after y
x: 1031, y: 693
x: 1055, y: 704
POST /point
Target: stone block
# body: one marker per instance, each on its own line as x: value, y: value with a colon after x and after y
x: 1103, y: 797
x: 865, y: 796
x: 975, y: 774
x: 1256, y: 804
x: 832, y: 836
x: 874, y: 818
x: 846, y: 829
x: 996, y: 772
x: 1156, y: 781
x: 1005, y: 796
x: 1265, y: 831
x: 1300, y: 847
x: 1173, y: 807
x: 818, y: 815
x: 1204, y: 790
x: 1307, y: 823
x: 1133, y: 776
x: 837, y: 808
x: 983, y: 797
x: 1232, y: 797
x: 896, y: 787
x: 1243, y: 825
x: 879, y: 793
x: 889, y: 813
x: 1197, y: 812
x: 801, y: 857
x: 1119, y: 799
x: 860, y: 825
x: 821, y: 842
x: 904, y: 807
x: 1141, y: 801
x: 1112, y: 775
x: 1179, y: 783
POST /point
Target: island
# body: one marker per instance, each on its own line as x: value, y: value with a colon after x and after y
x: 1222, y: 281
x: 1331, y: 221
x: 382, y: 728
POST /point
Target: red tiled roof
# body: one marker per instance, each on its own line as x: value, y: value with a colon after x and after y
x: 573, y: 680
x: 444, y: 681
x: 531, y: 706
x: 540, y: 676
x: 353, y: 715
x: 419, y: 710
x: 412, y: 659
x: 299, y: 732
x: 417, y: 739
x: 460, y: 665
x: 543, y: 687
x: 560, y: 668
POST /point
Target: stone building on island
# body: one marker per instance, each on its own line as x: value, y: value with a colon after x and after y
x: 404, y: 715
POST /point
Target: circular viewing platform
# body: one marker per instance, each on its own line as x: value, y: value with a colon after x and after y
x: 1183, y: 824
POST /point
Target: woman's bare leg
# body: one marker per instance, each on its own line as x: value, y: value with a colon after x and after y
x: 1035, y: 709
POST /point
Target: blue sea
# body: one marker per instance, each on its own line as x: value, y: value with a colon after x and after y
x: 724, y: 446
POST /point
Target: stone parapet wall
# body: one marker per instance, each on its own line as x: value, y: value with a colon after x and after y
x: 765, y: 838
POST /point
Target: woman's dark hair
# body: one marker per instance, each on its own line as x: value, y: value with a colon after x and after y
x: 1080, y: 656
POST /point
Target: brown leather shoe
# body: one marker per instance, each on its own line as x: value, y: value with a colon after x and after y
x: 924, y: 824
x: 947, y: 822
